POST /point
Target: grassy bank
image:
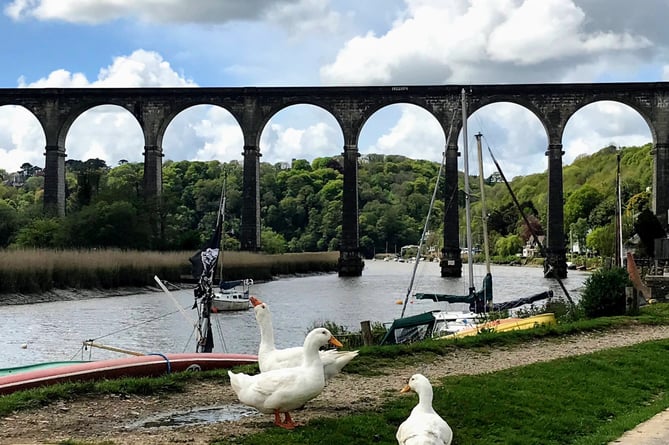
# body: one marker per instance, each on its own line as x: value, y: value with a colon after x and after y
x: 584, y: 400
x: 32, y: 271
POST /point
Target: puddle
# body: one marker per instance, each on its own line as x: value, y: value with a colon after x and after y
x: 195, y: 416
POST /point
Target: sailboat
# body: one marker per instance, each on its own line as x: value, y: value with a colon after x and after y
x: 207, y: 300
x: 233, y: 295
x: 440, y: 323
x: 418, y: 327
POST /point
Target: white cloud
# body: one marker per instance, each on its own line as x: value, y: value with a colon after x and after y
x: 301, y: 13
x: 212, y: 131
x: 140, y: 69
x: 106, y: 132
x: 21, y: 138
x: 282, y: 143
x: 415, y: 134
x: 466, y: 40
x: 601, y: 124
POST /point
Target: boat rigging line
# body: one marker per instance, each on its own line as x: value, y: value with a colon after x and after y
x: 551, y: 270
x: 429, y: 212
x: 468, y: 192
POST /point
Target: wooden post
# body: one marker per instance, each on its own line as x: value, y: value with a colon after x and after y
x: 631, y: 301
x: 367, y: 338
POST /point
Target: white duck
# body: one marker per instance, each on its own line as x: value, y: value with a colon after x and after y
x: 282, y: 390
x: 423, y: 426
x: 271, y: 358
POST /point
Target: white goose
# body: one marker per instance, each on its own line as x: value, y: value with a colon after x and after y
x: 282, y: 390
x: 271, y: 358
x: 423, y: 426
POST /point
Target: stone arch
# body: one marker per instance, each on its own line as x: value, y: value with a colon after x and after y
x: 113, y: 121
x: 619, y: 99
x: 607, y: 100
x: 312, y: 112
x: 19, y: 119
x: 223, y: 122
x: 185, y: 107
x: 497, y: 120
x: 521, y: 101
x: 407, y: 112
x: 76, y: 112
x: 372, y: 110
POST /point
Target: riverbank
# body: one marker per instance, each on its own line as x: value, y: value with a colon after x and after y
x: 112, y: 417
x: 53, y: 295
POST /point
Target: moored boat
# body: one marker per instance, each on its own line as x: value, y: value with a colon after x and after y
x: 233, y: 296
x: 507, y: 324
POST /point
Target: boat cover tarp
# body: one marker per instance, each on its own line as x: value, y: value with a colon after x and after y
x: 409, y: 329
x: 522, y: 301
x: 225, y: 285
x: 475, y: 300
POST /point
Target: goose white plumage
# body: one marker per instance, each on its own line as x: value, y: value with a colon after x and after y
x: 282, y: 390
x: 423, y: 426
x: 270, y: 358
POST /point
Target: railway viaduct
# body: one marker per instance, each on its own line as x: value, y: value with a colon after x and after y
x: 252, y: 107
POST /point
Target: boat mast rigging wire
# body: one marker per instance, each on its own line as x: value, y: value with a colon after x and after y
x: 429, y: 212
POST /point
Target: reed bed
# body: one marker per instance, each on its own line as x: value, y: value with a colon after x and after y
x: 27, y: 271
x: 264, y: 267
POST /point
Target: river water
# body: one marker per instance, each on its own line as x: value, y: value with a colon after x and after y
x: 153, y: 322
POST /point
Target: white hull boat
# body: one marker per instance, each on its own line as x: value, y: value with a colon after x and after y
x: 233, y: 296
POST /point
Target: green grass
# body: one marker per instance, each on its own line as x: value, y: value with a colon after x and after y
x: 582, y: 400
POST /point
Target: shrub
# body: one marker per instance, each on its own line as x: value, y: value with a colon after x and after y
x: 604, y: 293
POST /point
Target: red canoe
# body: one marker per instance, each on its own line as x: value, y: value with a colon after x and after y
x: 136, y: 366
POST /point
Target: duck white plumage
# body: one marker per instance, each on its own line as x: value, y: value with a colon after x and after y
x: 423, y: 426
x: 270, y: 358
x: 282, y: 390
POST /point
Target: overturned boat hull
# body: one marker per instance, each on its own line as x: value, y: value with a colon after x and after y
x: 152, y: 365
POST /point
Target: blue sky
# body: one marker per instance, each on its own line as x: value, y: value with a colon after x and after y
x: 221, y: 43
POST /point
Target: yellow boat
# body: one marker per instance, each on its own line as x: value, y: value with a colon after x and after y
x: 508, y: 324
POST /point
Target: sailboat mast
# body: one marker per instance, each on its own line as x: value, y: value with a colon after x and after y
x: 221, y: 217
x: 468, y: 213
x: 619, y: 216
x: 484, y: 211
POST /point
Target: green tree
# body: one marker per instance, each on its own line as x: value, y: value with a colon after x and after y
x: 581, y: 203
x: 40, y: 233
x: 272, y: 242
x: 9, y: 223
x: 579, y: 232
x: 508, y: 245
x: 602, y: 240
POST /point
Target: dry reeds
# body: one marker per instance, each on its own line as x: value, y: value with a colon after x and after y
x: 37, y: 270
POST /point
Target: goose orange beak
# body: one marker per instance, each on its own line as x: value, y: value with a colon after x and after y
x: 406, y: 388
x: 254, y: 301
x: 334, y: 342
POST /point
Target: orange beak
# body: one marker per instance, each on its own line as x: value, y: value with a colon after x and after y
x: 406, y: 388
x: 334, y: 342
x: 254, y: 301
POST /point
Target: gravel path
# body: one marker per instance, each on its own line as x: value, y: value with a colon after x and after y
x: 112, y: 417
